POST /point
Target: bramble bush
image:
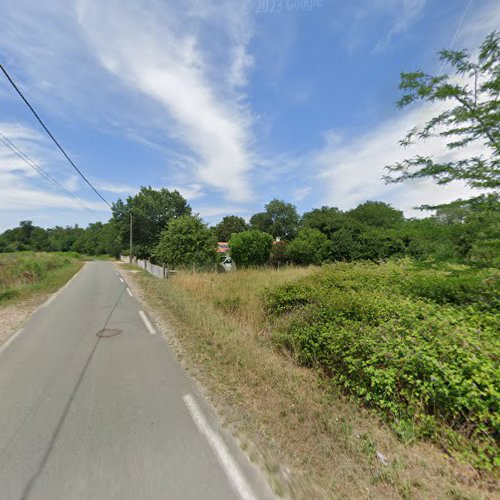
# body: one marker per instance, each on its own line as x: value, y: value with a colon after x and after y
x: 421, y: 346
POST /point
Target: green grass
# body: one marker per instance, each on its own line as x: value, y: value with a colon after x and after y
x: 24, y: 274
x: 419, y: 345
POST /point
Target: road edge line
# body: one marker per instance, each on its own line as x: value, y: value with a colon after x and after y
x: 147, y: 323
x: 228, y: 463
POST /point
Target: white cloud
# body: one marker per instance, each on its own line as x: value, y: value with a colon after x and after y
x: 385, y: 20
x: 116, y: 188
x: 477, y: 24
x: 21, y: 187
x: 353, y: 169
x: 166, y: 59
x: 72, y: 183
x: 300, y: 193
x: 402, y: 13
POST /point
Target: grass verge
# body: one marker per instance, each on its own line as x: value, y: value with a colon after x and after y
x: 25, y: 274
x: 313, y: 440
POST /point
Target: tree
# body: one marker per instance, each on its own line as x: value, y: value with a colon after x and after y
x: 473, y: 115
x: 326, y: 219
x: 377, y: 214
x: 380, y: 243
x: 250, y: 248
x: 345, y: 245
x: 98, y: 239
x: 24, y: 237
x: 151, y: 210
x: 229, y: 225
x: 62, y: 239
x: 311, y: 246
x: 186, y: 242
x: 279, y: 219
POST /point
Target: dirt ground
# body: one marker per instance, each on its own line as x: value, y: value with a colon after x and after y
x: 12, y: 316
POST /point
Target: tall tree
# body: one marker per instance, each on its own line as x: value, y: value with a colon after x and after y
x: 280, y: 219
x: 377, y: 214
x: 325, y: 219
x: 311, y: 246
x: 229, y: 225
x: 186, y: 242
x: 472, y: 115
x: 151, y: 212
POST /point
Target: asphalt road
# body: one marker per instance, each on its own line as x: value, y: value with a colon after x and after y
x: 88, y: 417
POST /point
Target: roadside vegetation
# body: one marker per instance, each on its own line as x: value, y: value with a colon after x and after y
x: 364, y: 379
x: 24, y: 274
x: 419, y: 345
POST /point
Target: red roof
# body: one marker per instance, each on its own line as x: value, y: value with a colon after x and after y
x: 222, y: 247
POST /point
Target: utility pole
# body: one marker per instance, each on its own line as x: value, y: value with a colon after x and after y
x: 130, y: 245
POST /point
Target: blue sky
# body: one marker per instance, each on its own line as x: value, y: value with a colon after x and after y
x: 229, y: 103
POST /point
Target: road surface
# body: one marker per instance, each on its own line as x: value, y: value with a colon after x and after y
x: 90, y: 417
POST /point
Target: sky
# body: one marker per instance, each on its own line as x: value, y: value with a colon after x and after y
x: 231, y: 102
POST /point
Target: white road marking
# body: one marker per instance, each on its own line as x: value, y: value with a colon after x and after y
x: 49, y: 300
x: 9, y: 340
x: 129, y: 292
x: 228, y: 463
x: 148, y: 324
x: 122, y: 280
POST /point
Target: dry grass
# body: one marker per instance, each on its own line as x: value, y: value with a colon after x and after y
x: 313, y: 441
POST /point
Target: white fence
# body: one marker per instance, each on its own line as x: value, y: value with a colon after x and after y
x: 158, y: 271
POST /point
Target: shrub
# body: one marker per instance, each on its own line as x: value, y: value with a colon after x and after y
x: 426, y: 360
x: 251, y: 248
x: 24, y: 271
x: 311, y: 246
x: 186, y: 242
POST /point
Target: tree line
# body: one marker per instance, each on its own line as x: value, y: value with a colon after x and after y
x: 165, y: 230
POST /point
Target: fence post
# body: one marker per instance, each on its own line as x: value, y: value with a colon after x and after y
x: 163, y: 270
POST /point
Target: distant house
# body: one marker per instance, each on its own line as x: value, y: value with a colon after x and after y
x: 222, y: 247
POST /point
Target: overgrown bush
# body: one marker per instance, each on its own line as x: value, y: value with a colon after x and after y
x: 187, y: 242
x: 251, y: 248
x: 24, y: 270
x: 422, y: 346
x: 311, y: 246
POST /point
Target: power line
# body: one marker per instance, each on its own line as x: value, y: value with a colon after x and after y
x: 10, y: 145
x: 50, y: 135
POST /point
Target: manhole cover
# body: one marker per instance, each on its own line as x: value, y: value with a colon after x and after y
x: 109, y: 332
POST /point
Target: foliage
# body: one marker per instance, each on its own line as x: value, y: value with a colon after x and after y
x: 229, y: 225
x: 23, y: 272
x: 460, y: 232
x: 310, y: 246
x: 251, y: 248
x: 280, y: 219
x: 420, y: 345
x: 151, y: 212
x: 187, y: 242
x: 326, y: 219
x: 377, y: 214
x: 472, y: 115
x: 96, y: 239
